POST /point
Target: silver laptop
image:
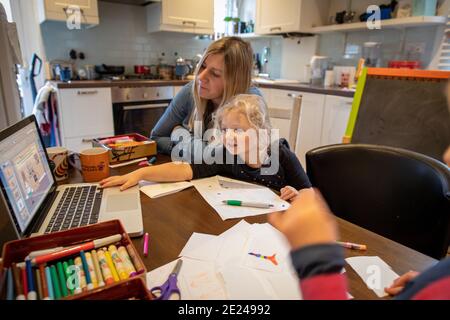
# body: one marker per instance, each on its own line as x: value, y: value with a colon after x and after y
x: 36, y: 205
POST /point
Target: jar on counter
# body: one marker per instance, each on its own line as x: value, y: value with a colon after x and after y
x: 165, y: 72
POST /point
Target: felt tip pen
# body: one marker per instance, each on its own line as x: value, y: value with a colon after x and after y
x: 238, y: 203
x: 76, y: 249
x: 32, y: 294
x: 146, y: 244
x: 353, y: 246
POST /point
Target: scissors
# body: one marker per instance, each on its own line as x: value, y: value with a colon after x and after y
x: 169, y: 288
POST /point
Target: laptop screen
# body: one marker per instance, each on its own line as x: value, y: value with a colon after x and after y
x: 24, y: 173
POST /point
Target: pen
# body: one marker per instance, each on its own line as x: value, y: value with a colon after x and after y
x: 239, y: 203
x: 148, y: 163
x: 146, y: 244
x: 353, y: 246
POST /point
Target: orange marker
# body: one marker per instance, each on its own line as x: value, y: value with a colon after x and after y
x: 353, y: 246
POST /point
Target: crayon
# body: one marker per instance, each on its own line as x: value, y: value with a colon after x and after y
x: 81, y: 275
x: 32, y: 295
x: 65, y: 266
x: 106, y: 271
x: 45, y: 294
x: 134, y: 258
x: 55, y: 282
x: 38, y: 285
x: 146, y: 244
x: 24, y: 281
x: 111, y: 266
x: 48, y: 277
x: 87, y: 274
x: 131, y: 271
x: 97, y: 269
x: 17, y: 283
x: 62, y: 279
x: 90, y: 264
x: 118, y: 263
x: 9, y: 285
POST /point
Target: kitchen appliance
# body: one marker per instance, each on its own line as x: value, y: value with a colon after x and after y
x: 109, y: 70
x: 141, y: 69
x: 319, y: 65
x: 371, y: 54
x: 138, y: 109
x: 182, y: 69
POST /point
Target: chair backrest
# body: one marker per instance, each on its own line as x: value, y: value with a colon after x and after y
x: 293, y: 116
x: 396, y: 193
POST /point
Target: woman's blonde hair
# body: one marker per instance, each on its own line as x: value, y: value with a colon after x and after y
x: 238, y: 62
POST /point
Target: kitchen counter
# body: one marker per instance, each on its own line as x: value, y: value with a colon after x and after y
x: 117, y: 83
x: 335, y: 91
x: 158, y: 83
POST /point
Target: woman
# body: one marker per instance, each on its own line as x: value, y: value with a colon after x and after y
x: 224, y: 71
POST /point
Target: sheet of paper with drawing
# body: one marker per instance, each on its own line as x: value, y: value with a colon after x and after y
x: 217, y: 189
x: 375, y: 273
x: 156, y: 190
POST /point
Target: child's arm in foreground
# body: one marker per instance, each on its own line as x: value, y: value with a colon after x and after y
x: 168, y: 172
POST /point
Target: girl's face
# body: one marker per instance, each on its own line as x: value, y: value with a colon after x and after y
x: 211, y: 78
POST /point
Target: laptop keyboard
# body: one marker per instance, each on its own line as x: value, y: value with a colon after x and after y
x: 79, y: 206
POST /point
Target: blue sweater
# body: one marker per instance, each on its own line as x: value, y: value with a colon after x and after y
x: 178, y: 114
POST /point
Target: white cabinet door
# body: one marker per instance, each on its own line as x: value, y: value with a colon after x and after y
x: 85, y: 112
x: 336, y: 114
x: 57, y: 10
x: 310, y: 126
x: 79, y: 144
x: 188, y: 13
x: 277, y: 16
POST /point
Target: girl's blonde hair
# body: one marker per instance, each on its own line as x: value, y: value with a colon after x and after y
x: 238, y: 62
x: 251, y: 106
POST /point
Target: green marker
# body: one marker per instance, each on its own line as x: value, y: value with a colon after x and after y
x: 238, y: 203
x: 55, y: 282
x: 67, y: 274
x: 62, y: 279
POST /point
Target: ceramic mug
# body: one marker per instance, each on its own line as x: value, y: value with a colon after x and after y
x: 94, y: 164
x: 60, y: 165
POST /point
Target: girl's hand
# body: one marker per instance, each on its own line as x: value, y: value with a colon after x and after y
x: 400, y: 283
x: 125, y: 181
x: 288, y: 193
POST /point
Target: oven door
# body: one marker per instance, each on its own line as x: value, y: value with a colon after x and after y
x: 138, y: 117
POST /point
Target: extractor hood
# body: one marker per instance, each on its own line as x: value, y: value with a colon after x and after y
x: 132, y: 2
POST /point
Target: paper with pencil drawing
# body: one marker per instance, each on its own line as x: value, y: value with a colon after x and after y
x: 156, y: 190
x: 216, y: 189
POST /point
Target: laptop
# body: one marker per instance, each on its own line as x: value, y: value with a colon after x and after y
x: 34, y: 202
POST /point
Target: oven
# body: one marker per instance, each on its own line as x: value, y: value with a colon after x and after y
x: 138, y: 109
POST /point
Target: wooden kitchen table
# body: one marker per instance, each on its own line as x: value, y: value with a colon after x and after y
x: 171, y: 220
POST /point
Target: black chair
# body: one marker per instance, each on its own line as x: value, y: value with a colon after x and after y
x: 396, y: 193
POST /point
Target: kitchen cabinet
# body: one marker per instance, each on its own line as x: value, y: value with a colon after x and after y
x: 283, y: 16
x: 189, y: 16
x: 336, y: 113
x: 310, y: 124
x: 57, y: 10
x: 84, y: 114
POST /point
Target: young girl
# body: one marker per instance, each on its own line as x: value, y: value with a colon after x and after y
x: 247, y: 154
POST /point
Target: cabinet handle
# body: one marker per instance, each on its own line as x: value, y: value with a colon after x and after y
x: 275, y: 28
x: 190, y: 22
x: 82, y: 93
x: 292, y: 95
x: 87, y: 140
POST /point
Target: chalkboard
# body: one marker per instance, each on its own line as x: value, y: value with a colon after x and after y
x: 409, y: 113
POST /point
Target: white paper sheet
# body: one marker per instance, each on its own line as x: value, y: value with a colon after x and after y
x: 156, y: 190
x: 375, y: 273
x: 197, y: 280
x: 213, y: 192
x: 285, y: 286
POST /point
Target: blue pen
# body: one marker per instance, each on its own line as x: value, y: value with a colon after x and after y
x: 32, y: 294
x: 89, y: 283
x: 49, y: 283
x: 9, y: 285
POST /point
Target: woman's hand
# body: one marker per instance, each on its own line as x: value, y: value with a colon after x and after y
x: 400, y: 283
x: 288, y: 193
x: 125, y: 181
x: 308, y: 221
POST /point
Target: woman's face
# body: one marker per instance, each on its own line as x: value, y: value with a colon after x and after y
x: 211, y: 78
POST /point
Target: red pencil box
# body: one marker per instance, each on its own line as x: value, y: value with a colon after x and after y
x: 16, y: 251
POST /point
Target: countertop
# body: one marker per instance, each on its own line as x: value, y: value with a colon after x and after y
x: 156, y: 83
